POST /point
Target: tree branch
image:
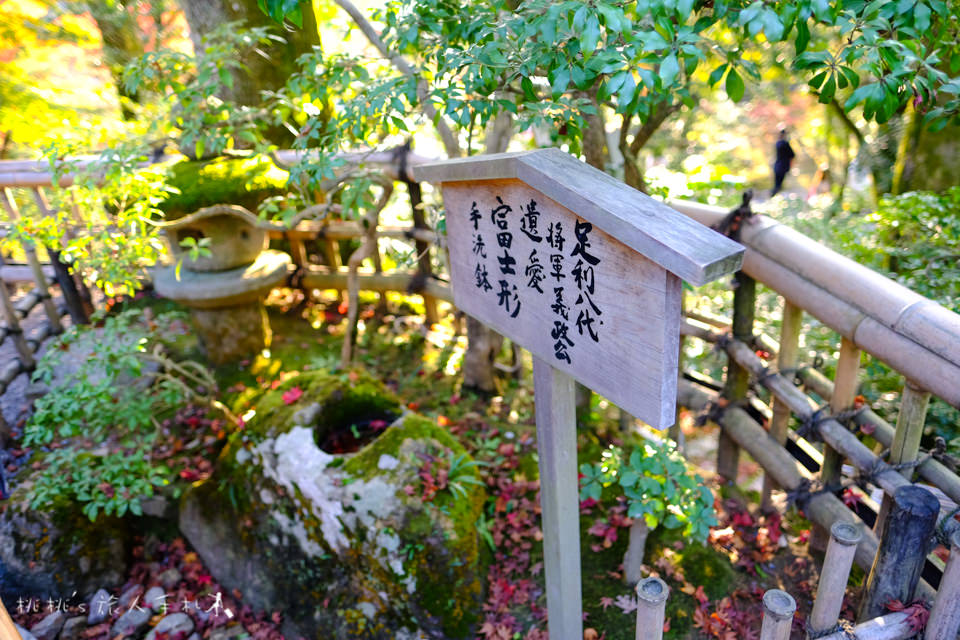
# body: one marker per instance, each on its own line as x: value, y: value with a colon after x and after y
x: 848, y: 123
x: 450, y: 142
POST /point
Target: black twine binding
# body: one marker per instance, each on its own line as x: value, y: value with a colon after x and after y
x: 843, y: 626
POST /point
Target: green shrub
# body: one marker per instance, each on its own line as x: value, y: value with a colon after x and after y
x: 99, y: 420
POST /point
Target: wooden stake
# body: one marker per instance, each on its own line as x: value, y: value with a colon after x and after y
x: 39, y: 279
x: 13, y: 328
x: 738, y: 378
x: 844, y: 391
x: 778, y: 609
x: 844, y: 538
x: 944, y: 619
x: 906, y: 439
x: 651, y: 608
x: 786, y: 359
x: 904, y: 545
x: 560, y: 507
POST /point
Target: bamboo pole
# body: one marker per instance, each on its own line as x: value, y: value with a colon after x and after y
x: 317, y: 277
x: 780, y: 464
x: 906, y: 438
x: 844, y: 538
x: 913, y: 335
x: 904, y: 545
x: 7, y: 629
x: 652, y: 596
x: 893, y: 626
x: 39, y: 279
x: 933, y: 471
x: 831, y: 431
x: 778, y: 609
x: 786, y: 359
x: 738, y: 378
x: 944, y: 621
x: 845, y: 389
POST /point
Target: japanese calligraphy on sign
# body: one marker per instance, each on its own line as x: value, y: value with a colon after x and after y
x: 567, y: 291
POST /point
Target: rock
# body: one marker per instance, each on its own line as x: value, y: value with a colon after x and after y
x: 158, y: 506
x: 99, y: 607
x: 72, y: 628
x: 226, y: 633
x: 56, y: 552
x: 342, y: 521
x: 194, y: 636
x: 128, y: 597
x: 176, y: 626
x: 155, y: 598
x: 131, y: 622
x: 24, y: 634
x: 169, y: 579
x: 49, y: 627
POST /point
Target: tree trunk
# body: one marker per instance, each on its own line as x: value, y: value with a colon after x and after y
x: 636, y: 549
x: 929, y: 160
x: 263, y: 73
x: 633, y: 171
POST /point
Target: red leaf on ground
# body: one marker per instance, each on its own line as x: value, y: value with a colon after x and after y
x: 292, y: 395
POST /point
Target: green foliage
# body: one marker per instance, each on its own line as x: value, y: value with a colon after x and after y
x: 912, y: 238
x: 657, y: 485
x: 99, y: 421
x: 543, y: 61
x: 195, y: 114
x: 704, y: 565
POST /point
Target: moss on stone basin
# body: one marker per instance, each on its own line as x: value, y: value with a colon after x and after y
x: 348, y: 545
x: 243, y: 181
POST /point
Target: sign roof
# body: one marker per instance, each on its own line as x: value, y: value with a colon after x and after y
x: 670, y: 239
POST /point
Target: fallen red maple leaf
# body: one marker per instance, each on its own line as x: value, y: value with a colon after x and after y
x: 292, y: 395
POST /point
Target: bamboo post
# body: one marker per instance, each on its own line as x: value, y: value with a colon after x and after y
x: 786, y: 359
x: 422, y: 248
x: 906, y: 439
x: 651, y: 608
x: 944, y: 621
x: 738, y: 378
x: 557, y: 449
x: 7, y: 629
x: 844, y: 538
x: 13, y: 328
x: 53, y: 317
x: 904, y: 545
x: 68, y: 287
x: 844, y: 391
x: 778, y: 609
x: 893, y: 626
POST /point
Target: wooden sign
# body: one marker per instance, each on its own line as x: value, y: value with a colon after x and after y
x: 540, y: 250
x: 569, y: 292
x: 584, y: 272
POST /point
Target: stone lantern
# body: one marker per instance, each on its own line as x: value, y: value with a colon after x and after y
x: 224, y: 290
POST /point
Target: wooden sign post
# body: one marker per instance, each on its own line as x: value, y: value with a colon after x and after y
x: 585, y: 272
